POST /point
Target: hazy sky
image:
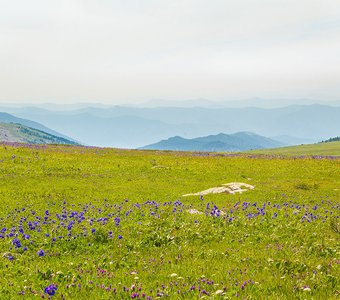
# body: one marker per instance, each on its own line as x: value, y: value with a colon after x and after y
x: 121, y: 51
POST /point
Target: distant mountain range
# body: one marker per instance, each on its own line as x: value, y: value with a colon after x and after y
x: 188, y: 103
x: 12, y: 132
x: 133, y: 127
x: 240, y: 141
x: 251, y: 102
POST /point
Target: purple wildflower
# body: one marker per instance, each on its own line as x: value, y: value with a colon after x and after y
x: 50, y: 290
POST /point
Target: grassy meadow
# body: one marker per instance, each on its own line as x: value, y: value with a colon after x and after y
x: 329, y: 149
x: 91, y: 223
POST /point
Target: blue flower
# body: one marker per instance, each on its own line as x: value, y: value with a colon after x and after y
x: 50, y: 290
x: 16, y: 242
x: 41, y: 252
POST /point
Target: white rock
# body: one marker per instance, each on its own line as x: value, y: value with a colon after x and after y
x: 228, y: 188
x: 218, y: 292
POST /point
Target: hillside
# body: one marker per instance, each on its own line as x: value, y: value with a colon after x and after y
x: 331, y: 148
x: 11, y: 132
x: 240, y: 141
x: 8, y: 118
x: 334, y: 139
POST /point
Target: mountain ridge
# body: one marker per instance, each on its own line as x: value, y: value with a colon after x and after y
x: 18, y: 133
x: 221, y: 142
x: 9, y: 118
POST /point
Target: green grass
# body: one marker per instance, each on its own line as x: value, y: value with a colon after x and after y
x: 330, y: 148
x: 165, y: 250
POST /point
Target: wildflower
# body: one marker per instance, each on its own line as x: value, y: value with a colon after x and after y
x: 41, y: 252
x: 16, y: 242
x: 50, y: 290
x: 117, y: 221
x: 10, y: 257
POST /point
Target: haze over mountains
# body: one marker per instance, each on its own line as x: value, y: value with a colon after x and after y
x: 133, y: 127
x: 251, y: 102
x: 189, y: 103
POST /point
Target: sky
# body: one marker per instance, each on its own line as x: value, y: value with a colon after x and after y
x: 129, y: 51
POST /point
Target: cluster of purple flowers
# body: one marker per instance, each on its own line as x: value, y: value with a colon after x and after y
x: 50, y: 290
x: 69, y: 223
x: 16, y: 242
